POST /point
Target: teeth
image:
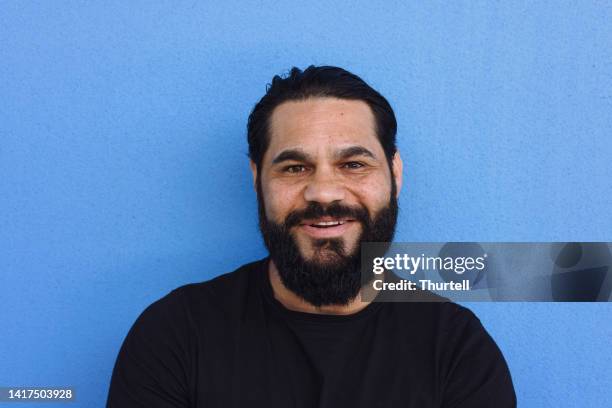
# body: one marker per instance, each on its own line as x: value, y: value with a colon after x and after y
x: 328, y: 223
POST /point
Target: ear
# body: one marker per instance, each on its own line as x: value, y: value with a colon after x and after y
x: 254, y: 172
x: 398, y: 168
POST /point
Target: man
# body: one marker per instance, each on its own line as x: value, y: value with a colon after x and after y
x: 291, y: 330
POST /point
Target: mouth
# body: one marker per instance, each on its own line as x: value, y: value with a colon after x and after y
x: 326, y: 227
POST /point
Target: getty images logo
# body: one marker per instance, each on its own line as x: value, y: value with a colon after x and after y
x: 454, y: 261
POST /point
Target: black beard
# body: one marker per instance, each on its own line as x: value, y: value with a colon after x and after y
x: 333, y: 276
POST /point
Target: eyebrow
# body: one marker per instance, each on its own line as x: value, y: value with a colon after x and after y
x: 291, y: 154
x: 354, y: 151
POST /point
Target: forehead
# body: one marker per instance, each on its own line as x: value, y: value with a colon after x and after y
x: 318, y: 124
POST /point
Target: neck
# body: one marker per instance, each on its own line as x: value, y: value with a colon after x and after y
x: 293, y: 302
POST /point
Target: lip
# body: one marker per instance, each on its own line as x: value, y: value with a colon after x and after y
x: 327, y: 232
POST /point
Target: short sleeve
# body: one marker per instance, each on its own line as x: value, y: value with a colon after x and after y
x: 153, y: 365
x: 475, y: 373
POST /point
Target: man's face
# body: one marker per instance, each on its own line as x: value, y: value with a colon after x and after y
x: 324, y: 185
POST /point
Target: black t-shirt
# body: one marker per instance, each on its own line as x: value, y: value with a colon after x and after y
x: 229, y: 343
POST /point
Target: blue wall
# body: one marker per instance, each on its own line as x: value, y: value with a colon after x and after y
x: 123, y: 170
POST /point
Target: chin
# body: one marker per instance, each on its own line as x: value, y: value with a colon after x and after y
x: 327, y: 252
x: 325, y: 257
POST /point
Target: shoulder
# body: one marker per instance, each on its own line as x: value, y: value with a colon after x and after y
x: 156, y: 361
x: 472, y: 369
x: 240, y: 278
x: 190, y: 308
x: 439, y: 325
x: 427, y: 307
x: 455, y: 317
x: 224, y: 290
x: 198, y: 306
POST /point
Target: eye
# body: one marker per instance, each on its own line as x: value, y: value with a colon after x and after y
x: 353, y: 165
x: 296, y: 168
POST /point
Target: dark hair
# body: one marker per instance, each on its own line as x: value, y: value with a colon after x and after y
x: 323, y: 81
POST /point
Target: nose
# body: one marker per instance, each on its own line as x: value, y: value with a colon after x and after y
x: 324, y: 187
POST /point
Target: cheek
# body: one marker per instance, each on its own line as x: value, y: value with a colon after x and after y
x: 279, y: 200
x: 374, y: 193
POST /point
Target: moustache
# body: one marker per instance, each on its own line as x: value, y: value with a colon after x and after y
x: 335, y: 210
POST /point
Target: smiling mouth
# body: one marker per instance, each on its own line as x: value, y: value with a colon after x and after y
x: 325, y: 222
x: 326, y: 227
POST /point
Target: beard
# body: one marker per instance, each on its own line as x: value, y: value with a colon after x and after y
x: 333, y: 274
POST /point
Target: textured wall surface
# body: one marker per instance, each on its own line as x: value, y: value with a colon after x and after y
x: 123, y: 170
